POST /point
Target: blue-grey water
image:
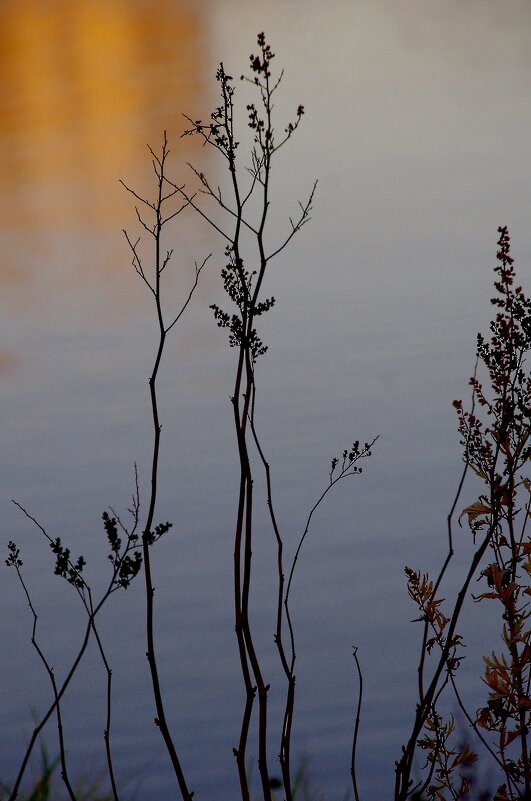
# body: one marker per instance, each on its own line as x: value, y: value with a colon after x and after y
x: 417, y: 126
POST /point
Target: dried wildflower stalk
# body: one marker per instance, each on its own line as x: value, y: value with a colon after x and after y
x: 497, y: 449
x: 245, y: 237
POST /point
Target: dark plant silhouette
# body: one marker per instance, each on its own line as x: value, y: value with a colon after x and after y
x: 125, y: 565
x: 496, y: 438
x: 161, y: 215
x: 129, y: 551
x: 497, y: 446
x: 247, y: 244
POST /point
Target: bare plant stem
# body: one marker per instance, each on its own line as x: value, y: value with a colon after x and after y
x: 72, y: 572
x: 353, y: 772
x: 243, y: 387
x: 44, y: 720
x: 449, y: 555
x: 284, y: 753
x: 405, y: 764
x: 165, y: 190
x: 242, y: 584
x: 347, y: 468
x: 108, y: 702
x: 244, y: 289
x: 57, y: 706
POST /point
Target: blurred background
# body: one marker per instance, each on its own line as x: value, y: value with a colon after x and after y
x: 417, y: 126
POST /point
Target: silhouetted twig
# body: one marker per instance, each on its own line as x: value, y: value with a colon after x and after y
x: 165, y: 191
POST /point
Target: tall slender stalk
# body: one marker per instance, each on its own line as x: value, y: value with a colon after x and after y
x: 126, y: 561
x: 497, y: 452
x: 165, y: 191
x: 244, y: 288
x: 353, y: 772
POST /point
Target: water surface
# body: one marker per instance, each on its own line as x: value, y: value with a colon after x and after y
x: 417, y: 126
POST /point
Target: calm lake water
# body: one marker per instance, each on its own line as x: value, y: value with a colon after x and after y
x: 417, y: 126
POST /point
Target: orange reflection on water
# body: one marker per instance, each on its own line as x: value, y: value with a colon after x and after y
x: 85, y: 86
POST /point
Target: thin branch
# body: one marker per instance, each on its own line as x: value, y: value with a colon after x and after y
x: 138, y: 197
x: 107, y: 731
x: 175, y: 213
x: 51, y: 676
x: 298, y: 225
x: 219, y: 199
x: 190, y: 201
x: 150, y: 231
x: 356, y: 726
x: 198, y: 269
x: 137, y: 262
